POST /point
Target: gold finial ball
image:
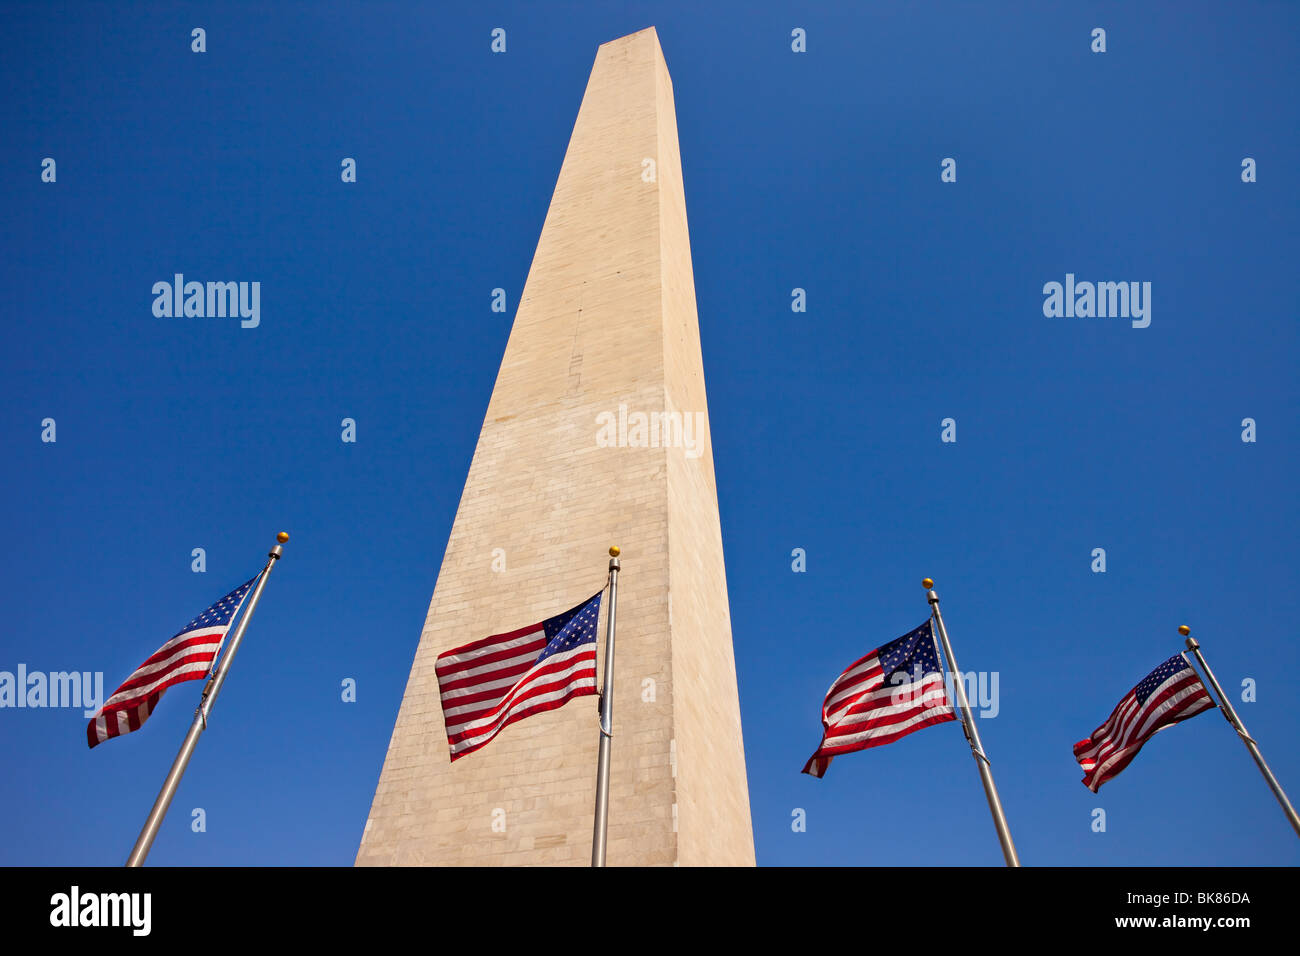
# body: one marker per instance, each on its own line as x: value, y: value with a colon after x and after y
x: 614, y: 551
x: 927, y: 584
x: 1184, y: 630
x: 282, y: 537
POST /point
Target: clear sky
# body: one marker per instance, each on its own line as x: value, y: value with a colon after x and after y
x: 817, y: 170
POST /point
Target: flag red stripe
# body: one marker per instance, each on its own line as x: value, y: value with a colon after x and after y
x: 1129, y: 729
x: 186, y: 656
x: 191, y: 639
x: 449, y: 670
x: 582, y: 676
x: 888, y: 738
x: 176, y: 676
x: 1112, y: 746
x: 487, y: 685
x: 500, y: 673
x: 862, y: 711
x: 486, y: 642
x: 530, y: 686
x: 582, y: 679
x: 520, y: 715
x: 202, y: 656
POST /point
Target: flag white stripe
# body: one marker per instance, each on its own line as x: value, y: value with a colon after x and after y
x: 503, y: 684
x: 489, y: 684
x: 447, y: 660
x: 1172, y: 704
x: 887, y: 692
x: 1122, y: 738
x: 483, y: 669
x: 885, y: 730
x: 192, y: 667
x: 934, y: 691
x: 556, y: 694
x: 576, y: 659
x: 178, y: 652
x: 509, y: 682
x: 834, y: 698
x: 1139, y: 723
x: 1107, y: 737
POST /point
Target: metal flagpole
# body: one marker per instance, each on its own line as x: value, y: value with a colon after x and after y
x: 606, y: 721
x: 972, y: 734
x: 210, y: 691
x: 1225, y: 706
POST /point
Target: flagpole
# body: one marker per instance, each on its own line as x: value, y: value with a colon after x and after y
x: 601, y: 825
x: 210, y: 691
x: 973, y: 735
x: 1230, y: 715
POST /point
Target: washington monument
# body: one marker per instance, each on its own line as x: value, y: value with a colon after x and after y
x: 596, y: 434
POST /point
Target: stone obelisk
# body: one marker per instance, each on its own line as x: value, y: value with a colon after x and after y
x: 596, y: 434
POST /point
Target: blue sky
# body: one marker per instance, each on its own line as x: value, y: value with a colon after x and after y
x: 818, y: 170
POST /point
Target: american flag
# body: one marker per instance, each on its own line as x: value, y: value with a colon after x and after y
x: 1170, y: 693
x: 894, y: 690
x: 187, y: 656
x: 488, y: 685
